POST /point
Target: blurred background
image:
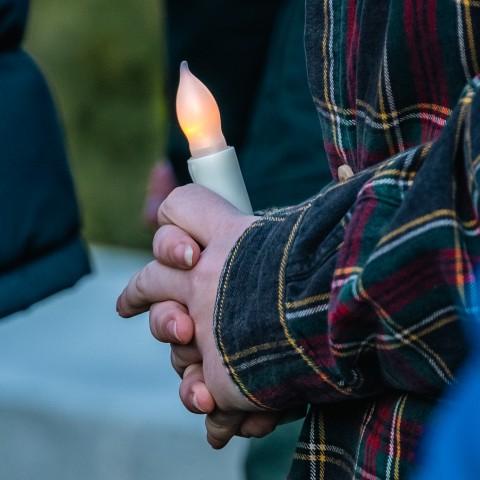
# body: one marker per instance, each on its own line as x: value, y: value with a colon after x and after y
x: 84, y: 394
x: 104, y: 61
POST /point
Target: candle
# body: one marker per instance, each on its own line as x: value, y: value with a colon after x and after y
x: 213, y: 164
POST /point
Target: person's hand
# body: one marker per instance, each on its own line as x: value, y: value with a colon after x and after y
x: 216, y: 226
x: 170, y: 323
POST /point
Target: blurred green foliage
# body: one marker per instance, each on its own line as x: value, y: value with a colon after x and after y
x: 103, y: 60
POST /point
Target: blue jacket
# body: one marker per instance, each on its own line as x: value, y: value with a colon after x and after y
x: 41, y: 251
x: 451, y: 447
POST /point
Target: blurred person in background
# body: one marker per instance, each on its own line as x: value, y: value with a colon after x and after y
x: 41, y: 251
x: 251, y: 54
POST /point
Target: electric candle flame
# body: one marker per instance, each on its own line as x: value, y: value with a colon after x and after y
x: 198, y: 115
x: 213, y: 165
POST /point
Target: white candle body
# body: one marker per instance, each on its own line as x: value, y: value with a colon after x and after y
x: 220, y: 172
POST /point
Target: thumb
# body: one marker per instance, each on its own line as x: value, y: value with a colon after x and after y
x: 198, y: 211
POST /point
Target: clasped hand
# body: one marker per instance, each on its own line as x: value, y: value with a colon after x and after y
x: 197, y: 231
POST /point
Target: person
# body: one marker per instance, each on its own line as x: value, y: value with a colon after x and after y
x: 268, y: 116
x: 352, y: 301
x: 41, y: 250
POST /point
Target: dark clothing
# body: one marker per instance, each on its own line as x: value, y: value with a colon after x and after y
x: 258, y: 75
x: 41, y: 251
x: 283, y: 160
x: 353, y: 301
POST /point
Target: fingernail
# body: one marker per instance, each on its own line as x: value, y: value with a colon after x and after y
x: 188, y: 256
x: 172, y: 330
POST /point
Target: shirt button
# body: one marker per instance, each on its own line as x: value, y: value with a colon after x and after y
x: 344, y: 172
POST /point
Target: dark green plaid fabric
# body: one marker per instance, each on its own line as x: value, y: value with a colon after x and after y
x: 353, y: 301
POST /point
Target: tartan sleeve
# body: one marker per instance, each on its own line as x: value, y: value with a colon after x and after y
x: 363, y: 288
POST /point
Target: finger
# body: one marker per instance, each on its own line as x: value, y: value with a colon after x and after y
x: 184, y: 356
x: 175, y: 248
x: 196, y: 210
x: 259, y: 424
x: 193, y: 391
x: 170, y: 323
x: 222, y: 426
x: 155, y: 283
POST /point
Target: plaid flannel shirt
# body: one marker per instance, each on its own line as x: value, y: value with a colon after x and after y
x: 353, y: 301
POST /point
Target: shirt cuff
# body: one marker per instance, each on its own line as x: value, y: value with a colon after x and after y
x: 248, y: 326
x: 275, y: 360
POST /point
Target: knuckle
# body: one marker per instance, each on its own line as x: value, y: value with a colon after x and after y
x: 204, y: 275
x: 176, y: 193
x: 140, y: 285
x: 197, y: 277
x: 167, y: 208
x: 142, y: 281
